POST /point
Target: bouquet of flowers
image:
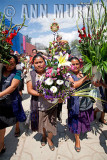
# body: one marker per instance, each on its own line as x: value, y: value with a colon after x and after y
x: 6, y: 36
x: 93, y: 43
x: 56, y: 46
x: 55, y: 84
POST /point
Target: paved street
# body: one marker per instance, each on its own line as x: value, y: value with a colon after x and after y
x: 28, y: 147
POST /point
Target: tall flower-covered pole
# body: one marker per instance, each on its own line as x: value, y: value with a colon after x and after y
x: 54, y: 28
x: 6, y: 37
x: 93, y: 42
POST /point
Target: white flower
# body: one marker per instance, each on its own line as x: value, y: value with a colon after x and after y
x: 49, y: 81
x: 63, y: 59
x: 67, y: 83
x: 59, y: 82
x: 53, y: 89
x: 55, y: 44
x: 42, y: 78
x: 68, y: 75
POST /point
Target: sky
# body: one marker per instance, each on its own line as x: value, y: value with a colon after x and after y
x: 40, y: 14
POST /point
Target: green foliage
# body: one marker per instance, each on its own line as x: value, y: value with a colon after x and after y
x: 93, y: 44
x: 6, y: 36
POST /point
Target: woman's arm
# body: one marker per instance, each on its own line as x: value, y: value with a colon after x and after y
x: 100, y: 83
x: 76, y: 84
x: 11, y: 88
x: 31, y: 90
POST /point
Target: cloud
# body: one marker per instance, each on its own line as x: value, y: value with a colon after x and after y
x: 49, y: 38
x: 67, y: 26
x: 66, y: 22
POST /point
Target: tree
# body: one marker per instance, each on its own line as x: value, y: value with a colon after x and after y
x: 74, y: 48
x: 28, y: 39
x: 74, y: 43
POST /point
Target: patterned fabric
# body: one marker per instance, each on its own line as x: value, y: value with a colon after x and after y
x: 34, y: 120
x: 11, y: 109
x: 39, y: 104
x: 78, y: 115
x: 84, y: 119
x: 34, y: 109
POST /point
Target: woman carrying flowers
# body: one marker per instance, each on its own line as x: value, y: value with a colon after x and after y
x: 11, y: 109
x: 80, y: 109
x: 42, y: 119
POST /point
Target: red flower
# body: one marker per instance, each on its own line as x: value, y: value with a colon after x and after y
x: 5, y: 32
x: 14, y: 31
x: 12, y: 35
x: 84, y: 35
x: 83, y: 28
x: 79, y: 41
x: 8, y: 40
x: 89, y: 36
x: 80, y: 35
x: 78, y: 31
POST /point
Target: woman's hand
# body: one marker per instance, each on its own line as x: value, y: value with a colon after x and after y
x: 41, y: 95
x: 87, y: 77
x: 0, y: 95
x: 97, y: 83
x: 60, y: 100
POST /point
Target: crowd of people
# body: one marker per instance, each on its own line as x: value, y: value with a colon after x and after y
x: 80, y: 109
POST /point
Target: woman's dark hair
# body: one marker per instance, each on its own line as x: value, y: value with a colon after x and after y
x: 38, y: 55
x: 72, y: 58
x: 12, y: 56
x: 34, y: 50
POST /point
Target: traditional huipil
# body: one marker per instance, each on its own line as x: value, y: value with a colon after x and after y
x: 80, y: 112
x: 41, y: 117
x: 11, y: 109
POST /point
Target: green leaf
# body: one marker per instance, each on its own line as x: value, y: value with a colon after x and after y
x: 86, y: 59
x: 87, y: 67
x: 105, y: 66
x: 54, y: 72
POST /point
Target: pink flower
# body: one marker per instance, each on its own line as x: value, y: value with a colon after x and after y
x: 58, y: 70
x: 53, y: 75
x: 73, y: 67
x: 49, y: 70
x: 80, y: 59
x: 48, y: 75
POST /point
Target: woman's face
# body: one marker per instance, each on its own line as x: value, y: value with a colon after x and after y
x: 11, y: 66
x: 39, y: 64
x: 76, y: 65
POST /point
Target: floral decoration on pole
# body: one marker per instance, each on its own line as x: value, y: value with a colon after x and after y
x: 93, y: 42
x: 54, y: 28
x: 6, y: 37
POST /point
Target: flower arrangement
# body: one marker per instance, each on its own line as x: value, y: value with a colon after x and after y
x: 59, y: 46
x: 54, y: 27
x: 6, y: 36
x: 55, y: 83
x: 93, y: 42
